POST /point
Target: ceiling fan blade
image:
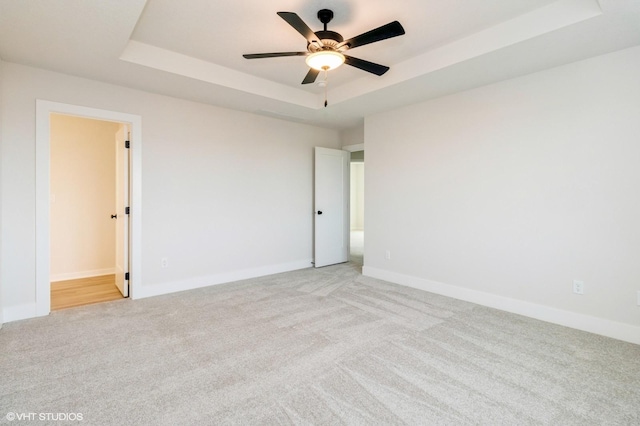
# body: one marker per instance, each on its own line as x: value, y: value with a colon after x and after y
x: 371, y: 67
x: 392, y: 29
x: 273, y: 55
x: 311, y: 76
x: 296, y: 22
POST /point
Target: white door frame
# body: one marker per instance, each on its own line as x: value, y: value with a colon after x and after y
x: 122, y: 154
x: 354, y: 148
x: 44, y: 109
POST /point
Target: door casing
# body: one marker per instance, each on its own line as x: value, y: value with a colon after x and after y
x: 42, y: 185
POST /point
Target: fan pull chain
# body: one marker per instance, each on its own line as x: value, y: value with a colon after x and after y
x: 325, y: 96
x: 326, y: 77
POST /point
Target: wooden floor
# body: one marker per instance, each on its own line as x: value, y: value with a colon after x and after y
x: 85, y: 291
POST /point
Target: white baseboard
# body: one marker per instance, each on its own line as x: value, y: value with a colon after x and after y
x: 16, y: 313
x: 82, y: 274
x: 209, y: 280
x: 604, y: 327
x: 20, y: 312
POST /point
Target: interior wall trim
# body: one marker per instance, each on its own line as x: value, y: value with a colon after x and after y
x: 82, y: 274
x: 616, y: 330
x: 228, y: 277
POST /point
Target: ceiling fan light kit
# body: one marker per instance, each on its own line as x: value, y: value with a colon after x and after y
x: 325, y: 60
x: 325, y: 49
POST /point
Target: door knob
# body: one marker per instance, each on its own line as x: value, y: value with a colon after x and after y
x: 114, y: 216
x: 319, y: 211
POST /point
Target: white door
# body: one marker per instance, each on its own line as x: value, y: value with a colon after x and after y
x: 331, y: 224
x: 122, y: 203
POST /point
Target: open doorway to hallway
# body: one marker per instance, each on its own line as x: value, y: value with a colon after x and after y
x: 357, y: 207
x: 86, y: 177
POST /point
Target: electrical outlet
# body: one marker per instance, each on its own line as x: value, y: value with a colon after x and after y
x: 387, y: 255
x: 164, y: 262
x: 578, y: 287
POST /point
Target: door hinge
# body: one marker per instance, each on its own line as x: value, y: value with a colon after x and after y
x: 127, y: 144
x: 126, y: 276
x: 127, y: 210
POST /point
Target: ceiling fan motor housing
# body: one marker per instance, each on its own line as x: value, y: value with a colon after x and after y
x: 330, y: 39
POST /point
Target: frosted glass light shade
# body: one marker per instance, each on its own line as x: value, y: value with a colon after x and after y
x: 325, y: 60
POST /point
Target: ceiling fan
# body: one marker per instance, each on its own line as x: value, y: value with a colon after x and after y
x: 325, y: 49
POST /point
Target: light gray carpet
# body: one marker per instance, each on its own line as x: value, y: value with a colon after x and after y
x: 321, y: 346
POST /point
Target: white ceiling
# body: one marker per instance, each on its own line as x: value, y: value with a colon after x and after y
x: 194, y: 49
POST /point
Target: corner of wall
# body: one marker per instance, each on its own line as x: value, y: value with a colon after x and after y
x: 352, y: 136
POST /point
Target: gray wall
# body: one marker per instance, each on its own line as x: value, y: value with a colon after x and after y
x: 223, y: 192
x: 512, y: 191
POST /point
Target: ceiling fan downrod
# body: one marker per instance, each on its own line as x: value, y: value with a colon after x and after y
x: 325, y: 16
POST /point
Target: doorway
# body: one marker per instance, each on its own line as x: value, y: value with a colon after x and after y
x: 44, y: 109
x: 89, y: 182
x: 356, y: 227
